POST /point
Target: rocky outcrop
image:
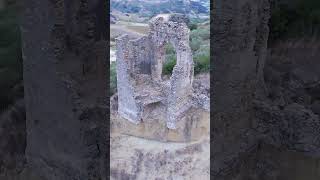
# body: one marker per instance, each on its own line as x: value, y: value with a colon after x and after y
x: 64, y: 53
x: 12, y: 140
x: 288, y: 117
x: 263, y: 103
x: 240, y: 33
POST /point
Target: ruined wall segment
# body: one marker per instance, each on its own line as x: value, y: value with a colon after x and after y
x: 164, y: 30
x: 142, y: 60
x: 128, y: 107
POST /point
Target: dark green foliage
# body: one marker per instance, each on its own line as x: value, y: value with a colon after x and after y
x: 113, y: 78
x: 201, y: 63
x: 126, y: 7
x: 199, y: 43
x: 170, y: 61
x: 10, y: 57
x: 195, y: 43
x: 200, y: 33
x: 170, y: 49
x: 192, y: 26
x: 168, y: 66
x: 294, y: 19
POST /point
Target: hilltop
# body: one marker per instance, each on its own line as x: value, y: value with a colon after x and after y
x: 149, y: 8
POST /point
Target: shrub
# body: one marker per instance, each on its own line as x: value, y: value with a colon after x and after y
x: 195, y: 43
x: 169, y: 49
x: 113, y: 78
x: 192, y: 26
x: 201, y: 62
x: 169, y: 64
x: 203, y: 33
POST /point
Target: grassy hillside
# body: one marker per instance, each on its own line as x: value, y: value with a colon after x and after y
x: 142, y: 10
x: 147, y: 8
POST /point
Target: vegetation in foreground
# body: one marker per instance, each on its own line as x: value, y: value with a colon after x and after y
x: 294, y: 19
x: 10, y: 57
x: 113, y: 78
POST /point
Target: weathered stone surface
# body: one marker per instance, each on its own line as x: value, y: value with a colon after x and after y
x: 262, y: 99
x: 193, y: 125
x: 12, y: 139
x: 138, y: 158
x: 240, y: 33
x: 139, y: 71
x: 288, y: 116
x: 65, y: 52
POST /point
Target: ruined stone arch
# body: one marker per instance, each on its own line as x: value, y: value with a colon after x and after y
x: 135, y: 57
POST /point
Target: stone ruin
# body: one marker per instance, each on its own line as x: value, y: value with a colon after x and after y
x: 139, y: 74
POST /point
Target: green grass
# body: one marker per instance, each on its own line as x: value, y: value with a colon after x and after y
x: 201, y: 63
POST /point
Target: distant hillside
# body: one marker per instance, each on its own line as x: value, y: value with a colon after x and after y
x: 152, y: 7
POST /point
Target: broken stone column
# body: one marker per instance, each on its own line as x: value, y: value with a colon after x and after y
x: 64, y: 53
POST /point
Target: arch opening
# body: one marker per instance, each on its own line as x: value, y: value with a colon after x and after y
x: 170, y: 60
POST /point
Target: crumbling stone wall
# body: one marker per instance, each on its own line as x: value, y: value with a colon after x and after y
x: 65, y: 52
x: 139, y: 67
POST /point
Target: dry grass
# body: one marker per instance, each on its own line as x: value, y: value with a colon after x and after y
x: 134, y: 30
x: 128, y: 17
x: 139, y: 29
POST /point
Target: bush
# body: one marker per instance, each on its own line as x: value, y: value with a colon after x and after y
x: 195, y: 43
x: 113, y: 78
x: 169, y: 64
x: 192, y: 26
x: 201, y: 33
x: 201, y: 62
x: 170, y: 49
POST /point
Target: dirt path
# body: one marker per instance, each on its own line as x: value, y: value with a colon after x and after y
x: 117, y: 30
